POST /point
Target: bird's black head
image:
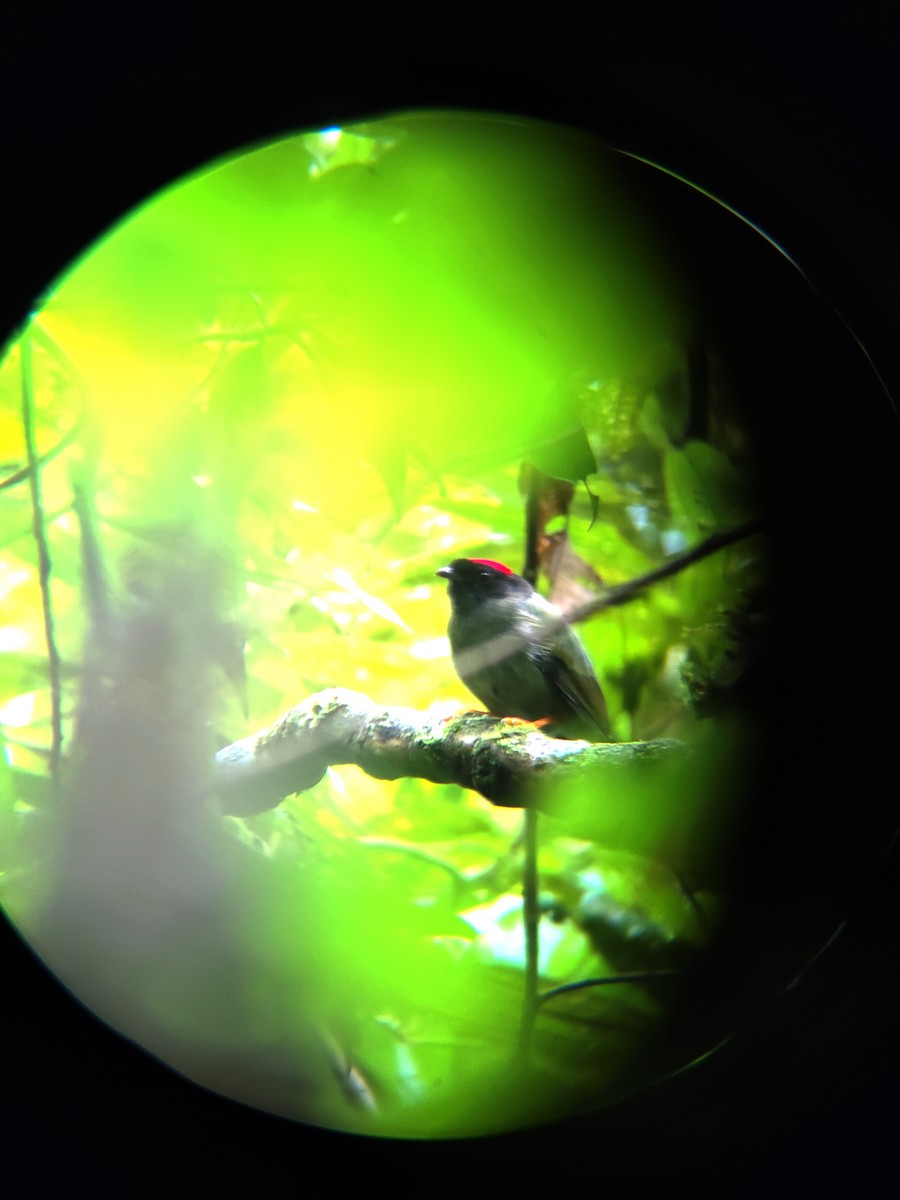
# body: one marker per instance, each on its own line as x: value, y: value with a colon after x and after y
x: 472, y: 581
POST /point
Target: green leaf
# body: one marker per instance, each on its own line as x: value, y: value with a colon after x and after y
x: 705, y: 491
x: 569, y: 456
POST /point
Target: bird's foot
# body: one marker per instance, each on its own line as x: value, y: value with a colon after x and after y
x: 538, y: 724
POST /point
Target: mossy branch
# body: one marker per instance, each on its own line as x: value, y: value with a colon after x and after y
x: 500, y: 761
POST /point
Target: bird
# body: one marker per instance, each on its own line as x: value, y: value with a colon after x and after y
x: 515, y: 651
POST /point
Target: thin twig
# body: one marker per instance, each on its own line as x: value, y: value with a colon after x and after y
x: 24, y: 472
x: 672, y: 566
x: 44, y: 563
x: 606, y: 980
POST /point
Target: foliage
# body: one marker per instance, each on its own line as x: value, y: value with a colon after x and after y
x: 328, y: 359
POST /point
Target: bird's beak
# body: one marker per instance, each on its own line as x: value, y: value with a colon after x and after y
x: 445, y: 572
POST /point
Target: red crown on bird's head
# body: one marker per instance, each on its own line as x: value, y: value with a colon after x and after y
x: 489, y: 562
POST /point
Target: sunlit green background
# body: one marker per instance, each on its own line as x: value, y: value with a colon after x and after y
x: 287, y: 390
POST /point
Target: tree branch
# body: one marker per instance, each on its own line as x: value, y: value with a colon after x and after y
x: 474, y: 750
x: 45, y: 569
x: 624, y: 592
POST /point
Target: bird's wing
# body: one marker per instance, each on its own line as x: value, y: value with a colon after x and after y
x: 577, y: 682
x: 574, y: 679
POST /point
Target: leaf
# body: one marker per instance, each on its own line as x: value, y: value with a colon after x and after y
x: 572, y: 579
x: 569, y: 456
x: 705, y: 491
